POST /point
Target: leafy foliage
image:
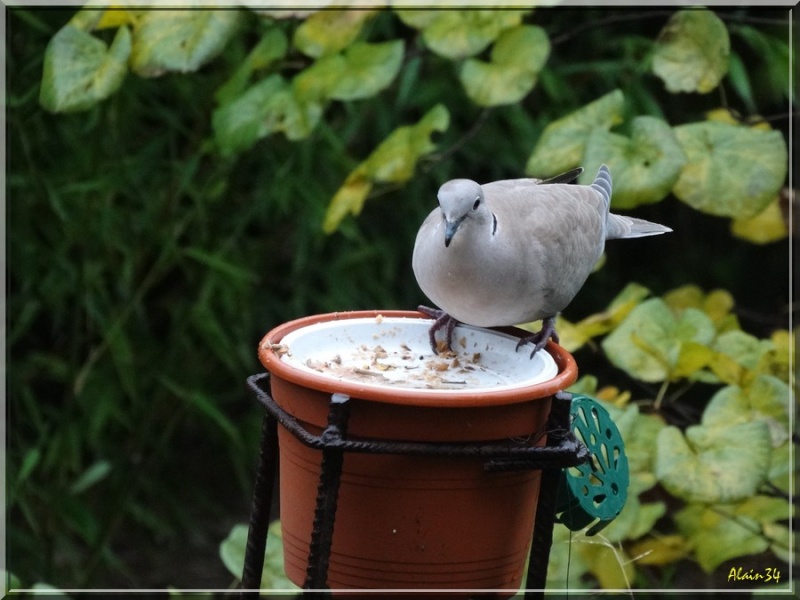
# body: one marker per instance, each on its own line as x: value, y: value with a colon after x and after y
x: 723, y: 161
x: 180, y: 181
x: 391, y: 162
x: 80, y: 70
x: 692, y: 51
x: 232, y: 552
x: 517, y: 56
x: 563, y: 142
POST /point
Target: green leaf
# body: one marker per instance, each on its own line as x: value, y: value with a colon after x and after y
x: 516, y: 59
x: 121, y: 350
x: 80, y: 70
x: 638, y: 430
x: 94, y: 474
x: 773, y: 75
x: 369, y: 68
x: 232, y: 551
x: 393, y: 161
x: 205, y: 405
x: 745, y: 349
x: 710, y: 464
x: 782, y: 539
x: 88, y: 19
x: 783, y: 469
x: 567, y: 567
x: 651, y: 343
x: 362, y: 71
x: 765, y: 399
x: 329, y: 31
x: 646, y: 518
x: 216, y: 262
x: 180, y: 40
x: 691, y: 53
x: 740, y: 81
x: 635, y: 519
x: 720, y: 533
x: 573, y: 336
x: 457, y: 34
x: 29, y: 464
x: 317, y: 82
x: 267, y: 107
x: 271, y: 47
x: 732, y: 170
x: 645, y: 166
x: 562, y: 143
x: 80, y: 517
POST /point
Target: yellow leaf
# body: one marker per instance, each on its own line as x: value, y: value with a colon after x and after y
x: 613, y: 395
x: 718, y: 305
x: 777, y: 362
x: 349, y: 199
x: 329, y: 31
x: 393, y: 161
x: 686, y: 296
x: 662, y: 550
x: 726, y: 368
x: 767, y: 226
x: 691, y: 358
x: 723, y: 115
x: 571, y: 337
x: 114, y: 17
x: 602, y: 322
x: 610, y: 565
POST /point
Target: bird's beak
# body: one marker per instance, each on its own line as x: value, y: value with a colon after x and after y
x: 450, y: 228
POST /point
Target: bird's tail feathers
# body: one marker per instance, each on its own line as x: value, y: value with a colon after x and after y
x: 602, y: 184
x: 620, y: 226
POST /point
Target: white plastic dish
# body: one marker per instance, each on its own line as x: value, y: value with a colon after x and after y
x: 383, y: 352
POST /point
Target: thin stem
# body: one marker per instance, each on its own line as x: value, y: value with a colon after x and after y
x: 617, y: 18
x: 662, y: 392
x: 473, y: 131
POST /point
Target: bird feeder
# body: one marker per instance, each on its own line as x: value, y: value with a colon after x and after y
x: 404, y: 469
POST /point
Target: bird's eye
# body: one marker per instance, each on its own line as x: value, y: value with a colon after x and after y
x: 476, y: 204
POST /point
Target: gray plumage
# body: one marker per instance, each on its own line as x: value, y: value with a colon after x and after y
x: 516, y: 250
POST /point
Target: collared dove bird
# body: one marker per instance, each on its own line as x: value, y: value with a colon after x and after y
x: 516, y: 250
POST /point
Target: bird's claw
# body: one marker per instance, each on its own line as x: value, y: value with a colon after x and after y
x: 441, y: 321
x: 541, y: 337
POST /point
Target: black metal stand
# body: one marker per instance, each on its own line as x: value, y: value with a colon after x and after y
x: 562, y: 450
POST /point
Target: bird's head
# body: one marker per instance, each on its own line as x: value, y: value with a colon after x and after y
x: 462, y: 203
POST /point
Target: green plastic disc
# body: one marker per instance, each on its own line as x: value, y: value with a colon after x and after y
x: 595, y: 491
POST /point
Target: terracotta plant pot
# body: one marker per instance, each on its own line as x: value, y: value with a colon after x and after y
x: 412, y: 522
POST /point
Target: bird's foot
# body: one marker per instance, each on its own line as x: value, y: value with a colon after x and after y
x: 441, y: 321
x: 540, y: 338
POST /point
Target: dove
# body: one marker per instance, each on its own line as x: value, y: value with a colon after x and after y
x: 515, y: 251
